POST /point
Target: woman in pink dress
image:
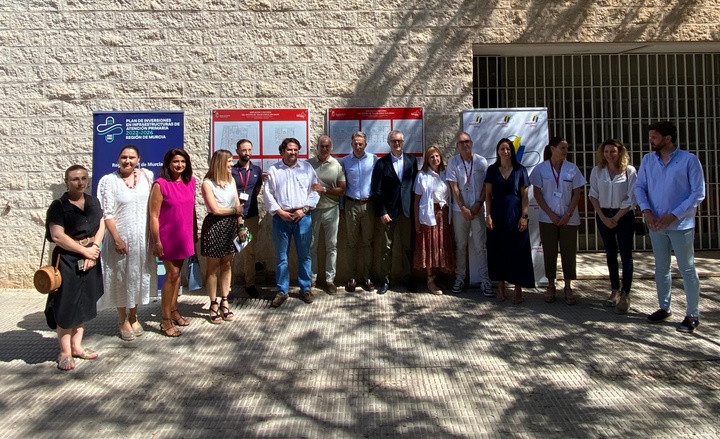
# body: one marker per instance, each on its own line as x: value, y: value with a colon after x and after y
x: 174, y: 230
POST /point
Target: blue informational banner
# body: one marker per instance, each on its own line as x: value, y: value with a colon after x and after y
x: 152, y: 132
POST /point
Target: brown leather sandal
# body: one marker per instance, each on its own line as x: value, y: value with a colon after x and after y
x: 623, y: 304
x: 549, y: 295
x: 518, y: 299
x: 171, y: 330
x: 569, y: 296
x: 501, y: 293
x: 215, y: 317
x: 179, y: 320
x: 225, y: 312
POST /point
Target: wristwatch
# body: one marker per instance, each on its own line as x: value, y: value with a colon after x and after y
x: 306, y: 210
x: 525, y: 216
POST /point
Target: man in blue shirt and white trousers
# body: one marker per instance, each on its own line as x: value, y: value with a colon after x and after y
x: 670, y: 185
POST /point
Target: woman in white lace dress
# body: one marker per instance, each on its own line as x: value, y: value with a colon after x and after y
x: 129, y: 269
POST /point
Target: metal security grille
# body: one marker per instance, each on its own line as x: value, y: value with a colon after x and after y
x: 591, y: 98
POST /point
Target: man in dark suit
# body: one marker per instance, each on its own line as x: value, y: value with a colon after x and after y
x: 392, y: 194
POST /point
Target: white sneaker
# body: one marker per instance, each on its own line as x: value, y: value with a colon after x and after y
x: 487, y: 288
x: 458, y: 286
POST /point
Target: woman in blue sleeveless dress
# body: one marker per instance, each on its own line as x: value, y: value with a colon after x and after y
x: 508, y: 240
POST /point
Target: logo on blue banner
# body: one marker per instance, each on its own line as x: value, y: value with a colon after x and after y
x: 109, y: 129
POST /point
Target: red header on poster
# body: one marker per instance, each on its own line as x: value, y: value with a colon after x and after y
x: 264, y: 127
x: 375, y: 113
x: 262, y: 114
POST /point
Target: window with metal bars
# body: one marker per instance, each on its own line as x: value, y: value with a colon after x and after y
x: 591, y: 98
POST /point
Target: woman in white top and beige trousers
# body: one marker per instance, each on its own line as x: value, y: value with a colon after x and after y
x: 557, y: 187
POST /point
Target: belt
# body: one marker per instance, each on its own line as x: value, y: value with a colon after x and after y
x: 362, y: 200
x: 85, y: 241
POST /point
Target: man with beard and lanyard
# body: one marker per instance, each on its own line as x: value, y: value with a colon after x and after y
x: 248, y: 179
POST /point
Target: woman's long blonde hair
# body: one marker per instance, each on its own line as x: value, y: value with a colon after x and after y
x: 426, y: 159
x: 623, y: 155
x: 218, y: 172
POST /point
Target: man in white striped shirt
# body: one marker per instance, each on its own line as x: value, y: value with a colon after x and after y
x: 289, y: 198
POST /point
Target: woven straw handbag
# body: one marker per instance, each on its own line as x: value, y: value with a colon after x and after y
x: 47, y: 278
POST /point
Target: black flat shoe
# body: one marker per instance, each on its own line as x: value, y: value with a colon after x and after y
x: 252, y: 291
x: 383, y: 288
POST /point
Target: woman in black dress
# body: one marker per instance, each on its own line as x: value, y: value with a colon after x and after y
x: 508, y: 241
x: 75, y: 224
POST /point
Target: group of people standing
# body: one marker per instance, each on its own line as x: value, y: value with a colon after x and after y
x: 144, y: 218
x: 668, y: 189
x: 440, y: 215
x: 389, y: 195
x: 445, y: 215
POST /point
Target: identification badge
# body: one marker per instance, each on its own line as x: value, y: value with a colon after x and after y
x: 557, y: 194
x: 243, y: 196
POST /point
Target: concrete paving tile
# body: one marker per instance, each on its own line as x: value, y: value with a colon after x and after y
x: 399, y: 365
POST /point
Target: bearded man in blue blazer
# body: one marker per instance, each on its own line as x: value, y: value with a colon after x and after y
x: 392, y: 194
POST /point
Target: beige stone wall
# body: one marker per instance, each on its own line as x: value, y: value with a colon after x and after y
x: 62, y: 59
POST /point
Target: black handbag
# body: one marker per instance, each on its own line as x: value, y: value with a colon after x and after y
x: 639, y: 227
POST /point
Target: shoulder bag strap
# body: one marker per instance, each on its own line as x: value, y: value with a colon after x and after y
x: 42, y: 253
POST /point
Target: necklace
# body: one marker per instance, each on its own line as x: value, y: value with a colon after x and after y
x: 130, y: 185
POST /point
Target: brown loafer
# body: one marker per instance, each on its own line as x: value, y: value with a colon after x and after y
x: 308, y: 296
x: 279, y: 299
x: 331, y: 288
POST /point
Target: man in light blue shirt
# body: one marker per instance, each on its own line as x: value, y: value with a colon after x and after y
x: 358, y: 211
x: 669, y: 187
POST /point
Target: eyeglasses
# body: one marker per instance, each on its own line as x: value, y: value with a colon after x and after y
x: 464, y: 142
x: 397, y: 141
